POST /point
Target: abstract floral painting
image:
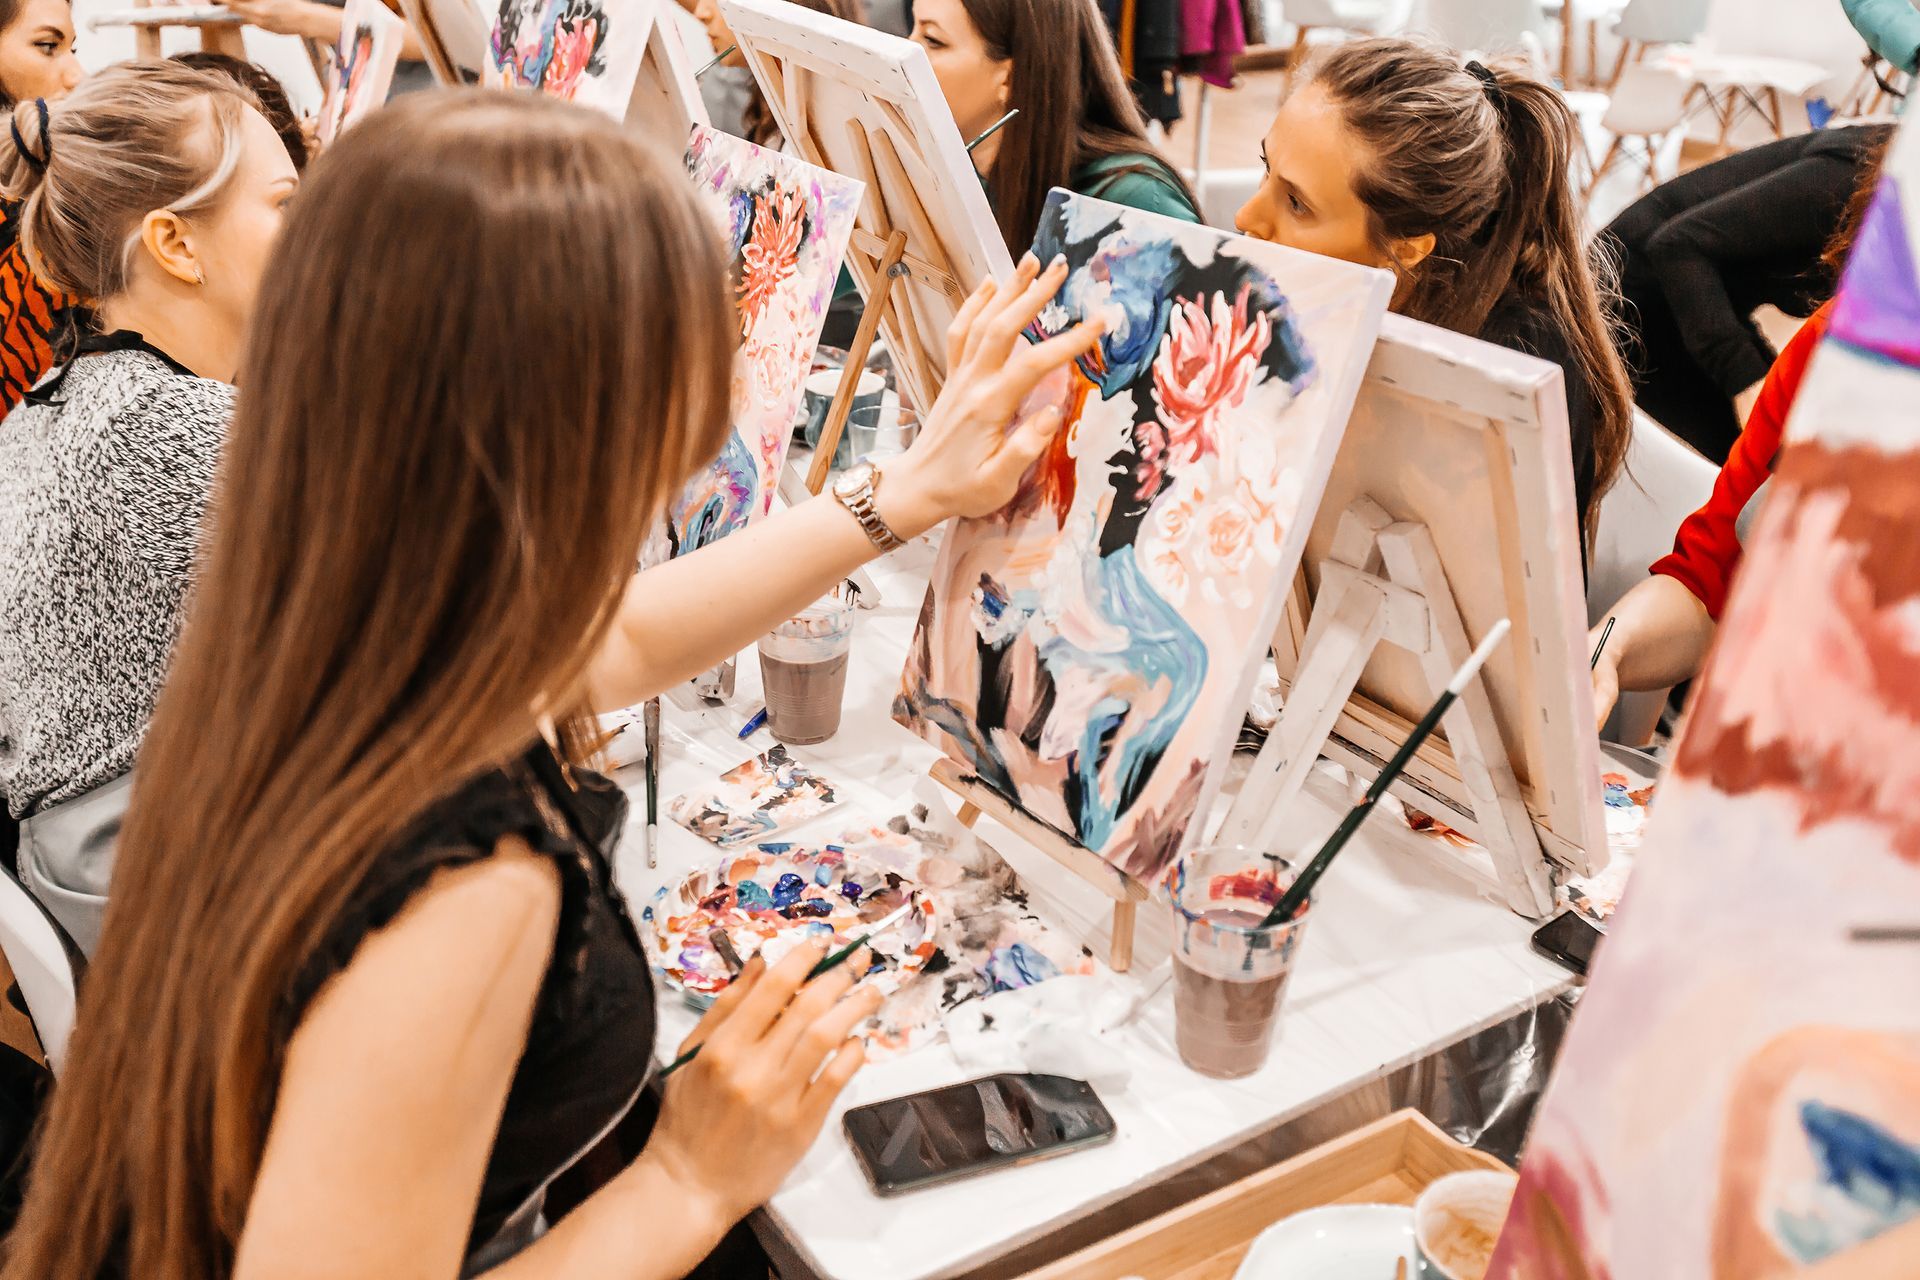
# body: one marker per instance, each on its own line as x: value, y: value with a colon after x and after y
x: 1739, y: 1095
x: 786, y: 226
x: 359, y: 65
x: 1089, y: 652
x: 585, y: 51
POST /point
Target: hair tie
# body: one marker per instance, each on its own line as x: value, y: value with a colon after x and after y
x: 1488, y: 81
x: 36, y: 163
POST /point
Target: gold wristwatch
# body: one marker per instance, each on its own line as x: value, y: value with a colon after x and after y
x: 855, y: 491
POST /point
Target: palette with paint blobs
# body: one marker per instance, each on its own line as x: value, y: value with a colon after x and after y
x: 776, y: 897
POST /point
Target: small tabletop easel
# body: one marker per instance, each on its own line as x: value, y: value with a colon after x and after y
x: 886, y: 268
x: 1126, y: 892
x: 1383, y: 584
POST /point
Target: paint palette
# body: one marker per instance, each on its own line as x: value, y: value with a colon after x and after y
x: 775, y: 898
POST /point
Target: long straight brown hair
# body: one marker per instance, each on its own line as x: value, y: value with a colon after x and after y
x: 494, y: 337
x: 1484, y: 165
x: 1075, y: 107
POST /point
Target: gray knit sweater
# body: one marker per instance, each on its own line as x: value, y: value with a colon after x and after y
x: 102, y: 490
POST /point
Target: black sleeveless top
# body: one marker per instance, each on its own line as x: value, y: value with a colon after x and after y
x: 590, y: 1047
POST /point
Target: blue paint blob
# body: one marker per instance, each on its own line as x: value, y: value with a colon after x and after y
x: 851, y: 890
x: 823, y: 875
x: 751, y: 895
x: 1010, y: 968
x: 787, y: 890
x: 1869, y: 1183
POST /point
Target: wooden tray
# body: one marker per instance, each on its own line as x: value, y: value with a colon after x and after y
x: 1388, y: 1162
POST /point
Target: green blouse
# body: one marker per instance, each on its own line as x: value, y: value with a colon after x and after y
x: 1139, y: 181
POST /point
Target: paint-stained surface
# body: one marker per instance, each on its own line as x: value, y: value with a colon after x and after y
x: 1740, y: 1093
x: 786, y: 226
x: 1089, y: 651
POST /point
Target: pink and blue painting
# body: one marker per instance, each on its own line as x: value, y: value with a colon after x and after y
x: 1739, y: 1096
x: 575, y: 50
x: 359, y: 65
x: 1089, y: 651
x: 786, y: 225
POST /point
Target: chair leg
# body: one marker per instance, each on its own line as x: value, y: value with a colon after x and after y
x: 1606, y: 163
x: 1620, y: 65
x: 1294, y: 57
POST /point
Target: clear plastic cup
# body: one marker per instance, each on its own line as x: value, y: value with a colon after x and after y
x: 1230, y: 971
x: 803, y: 670
x: 882, y: 431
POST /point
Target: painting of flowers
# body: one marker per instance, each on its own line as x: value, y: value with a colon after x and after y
x: 1739, y: 1095
x: 359, y: 65
x: 786, y: 226
x: 571, y: 49
x: 1089, y: 651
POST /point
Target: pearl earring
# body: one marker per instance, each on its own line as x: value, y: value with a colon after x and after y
x: 199, y: 275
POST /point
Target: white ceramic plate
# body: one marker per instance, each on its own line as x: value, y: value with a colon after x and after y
x: 1339, y: 1242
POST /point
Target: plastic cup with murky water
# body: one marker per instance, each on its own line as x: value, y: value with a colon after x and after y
x: 803, y: 670
x: 1230, y: 971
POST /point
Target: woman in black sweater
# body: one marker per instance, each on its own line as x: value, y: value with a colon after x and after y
x: 1701, y: 253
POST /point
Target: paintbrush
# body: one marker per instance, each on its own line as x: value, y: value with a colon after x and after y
x: 651, y: 717
x: 992, y: 129
x: 1599, y: 648
x: 719, y: 58
x: 832, y: 962
x: 1297, y: 892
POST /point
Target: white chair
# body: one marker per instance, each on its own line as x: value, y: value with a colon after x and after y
x: 1353, y: 17
x: 1488, y: 26
x: 1664, y: 483
x: 1647, y: 23
x: 1648, y: 105
x: 44, y: 962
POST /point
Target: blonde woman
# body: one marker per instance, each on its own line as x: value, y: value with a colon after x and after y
x: 157, y: 190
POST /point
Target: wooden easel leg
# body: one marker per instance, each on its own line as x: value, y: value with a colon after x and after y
x: 1120, y: 946
x: 1503, y: 825
x: 969, y: 814
x: 1340, y: 639
x: 856, y: 363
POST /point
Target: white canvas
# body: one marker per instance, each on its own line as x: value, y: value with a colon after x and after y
x: 360, y: 65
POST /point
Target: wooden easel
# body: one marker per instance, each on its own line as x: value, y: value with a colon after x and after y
x: 1383, y: 584
x: 887, y: 268
x: 1126, y: 892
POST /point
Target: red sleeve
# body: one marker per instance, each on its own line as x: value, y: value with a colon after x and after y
x: 1706, y: 550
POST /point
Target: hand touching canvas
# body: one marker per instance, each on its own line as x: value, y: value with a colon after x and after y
x: 786, y: 225
x: 360, y: 65
x: 1089, y: 652
x: 1739, y: 1096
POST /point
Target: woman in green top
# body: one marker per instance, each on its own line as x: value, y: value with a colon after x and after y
x: 1078, y: 127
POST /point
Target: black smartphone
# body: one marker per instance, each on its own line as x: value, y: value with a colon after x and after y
x: 945, y: 1134
x: 1569, y: 938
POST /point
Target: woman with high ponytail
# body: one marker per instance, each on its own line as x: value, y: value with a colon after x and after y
x: 36, y: 61
x: 155, y: 190
x: 1456, y: 176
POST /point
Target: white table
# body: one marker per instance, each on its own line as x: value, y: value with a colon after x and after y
x: 1401, y: 961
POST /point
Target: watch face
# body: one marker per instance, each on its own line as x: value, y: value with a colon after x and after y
x: 855, y: 479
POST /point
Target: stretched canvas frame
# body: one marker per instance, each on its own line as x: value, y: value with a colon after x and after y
x: 864, y: 103
x: 347, y: 100
x: 1471, y: 440
x: 1739, y: 1095
x: 666, y: 101
x: 1088, y: 652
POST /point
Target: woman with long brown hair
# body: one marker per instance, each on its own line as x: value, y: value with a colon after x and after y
x: 1078, y: 126
x: 366, y: 986
x: 1457, y: 178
